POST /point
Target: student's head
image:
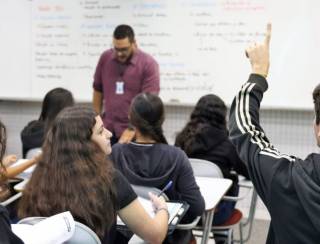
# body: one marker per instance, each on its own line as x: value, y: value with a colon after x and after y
x: 53, y: 102
x: 123, y: 42
x: 74, y: 173
x: 210, y: 109
x: 80, y: 129
x: 316, y: 101
x: 147, y: 116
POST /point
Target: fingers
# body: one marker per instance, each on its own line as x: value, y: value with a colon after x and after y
x: 152, y: 196
x: 268, y: 35
x: 266, y: 41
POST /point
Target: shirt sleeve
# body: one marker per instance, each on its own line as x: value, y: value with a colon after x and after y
x: 151, y: 80
x: 125, y: 193
x: 97, y: 79
x: 262, y: 159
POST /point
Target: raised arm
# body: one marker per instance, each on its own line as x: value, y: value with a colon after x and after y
x: 254, y: 148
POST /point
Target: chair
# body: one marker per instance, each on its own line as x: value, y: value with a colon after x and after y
x: 206, y: 168
x: 248, y: 223
x: 82, y: 235
x: 33, y: 152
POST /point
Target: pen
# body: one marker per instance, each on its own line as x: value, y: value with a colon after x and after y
x: 165, y: 188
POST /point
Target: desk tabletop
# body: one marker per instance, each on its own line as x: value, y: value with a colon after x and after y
x: 212, y: 190
x: 20, y: 186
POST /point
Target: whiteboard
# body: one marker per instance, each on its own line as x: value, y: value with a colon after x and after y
x: 199, y: 45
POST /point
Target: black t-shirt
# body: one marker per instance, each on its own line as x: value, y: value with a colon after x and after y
x: 6, y: 235
x: 125, y: 195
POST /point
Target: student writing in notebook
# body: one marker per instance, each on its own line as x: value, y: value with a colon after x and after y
x: 74, y: 174
x: 150, y: 161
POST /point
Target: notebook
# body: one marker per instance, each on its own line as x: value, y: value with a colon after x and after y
x: 176, y: 210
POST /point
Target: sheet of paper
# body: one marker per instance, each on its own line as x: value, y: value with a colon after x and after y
x: 52, y: 230
x: 173, y: 208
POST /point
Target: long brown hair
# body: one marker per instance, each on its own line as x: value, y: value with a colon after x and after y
x: 73, y: 174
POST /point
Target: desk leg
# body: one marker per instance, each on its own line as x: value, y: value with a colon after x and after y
x: 207, y: 227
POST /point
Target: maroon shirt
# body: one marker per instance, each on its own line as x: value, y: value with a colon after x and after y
x: 140, y: 74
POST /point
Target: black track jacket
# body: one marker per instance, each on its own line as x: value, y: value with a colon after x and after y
x: 288, y: 186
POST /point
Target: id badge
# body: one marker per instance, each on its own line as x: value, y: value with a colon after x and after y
x: 119, y: 87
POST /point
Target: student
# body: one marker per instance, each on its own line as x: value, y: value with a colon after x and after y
x: 150, y: 161
x: 75, y: 175
x: 206, y: 136
x: 7, y: 172
x: 32, y: 135
x: 6, y: 235
x: 288, y: 186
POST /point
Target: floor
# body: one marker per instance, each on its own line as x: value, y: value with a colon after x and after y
x: 258, y: 234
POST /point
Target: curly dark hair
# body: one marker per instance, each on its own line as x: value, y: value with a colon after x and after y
x: 147, y: 115
x: 210, y: 110
x: 73, y: 174
x: 316, y: 101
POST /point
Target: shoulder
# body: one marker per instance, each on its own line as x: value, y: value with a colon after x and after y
x: 169, y: 149
x: 145, y: 57
x: 33, y: 126
x: 118, y: 148
x: 174, y: 153
x: 106, y: 55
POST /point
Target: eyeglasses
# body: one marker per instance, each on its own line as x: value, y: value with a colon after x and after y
x: 123, y: 49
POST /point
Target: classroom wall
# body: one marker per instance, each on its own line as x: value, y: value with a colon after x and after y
x: 290, y: 131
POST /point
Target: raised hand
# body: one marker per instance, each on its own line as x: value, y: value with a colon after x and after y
x: 258, y: 55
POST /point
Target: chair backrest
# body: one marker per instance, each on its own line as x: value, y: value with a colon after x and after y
x: 205, y: 168
x: 82, y: 235
x: 33, y: 152
x: 143, y: 191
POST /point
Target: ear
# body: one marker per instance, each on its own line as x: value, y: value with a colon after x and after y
x: 134, y: 43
